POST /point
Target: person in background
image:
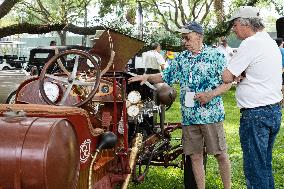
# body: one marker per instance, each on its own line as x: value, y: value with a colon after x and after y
x: 199, y: 70
x: 257, y: 69
x: 153, y: 60
x: 226, y: 49
x: 52, y: 43
x: 279, y: 42
x: 169, y: 57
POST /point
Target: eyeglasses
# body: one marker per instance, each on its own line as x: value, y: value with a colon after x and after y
x: 186, y: 38
x: 235, y: 23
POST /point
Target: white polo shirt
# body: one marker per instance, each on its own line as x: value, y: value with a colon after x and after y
x: 260, y: 58
x: 153, y: 59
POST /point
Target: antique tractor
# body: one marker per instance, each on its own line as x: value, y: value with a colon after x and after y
x: 80, y: 124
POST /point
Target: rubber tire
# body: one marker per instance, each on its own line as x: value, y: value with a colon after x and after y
x: 5, y: 68
x: 10, y: 97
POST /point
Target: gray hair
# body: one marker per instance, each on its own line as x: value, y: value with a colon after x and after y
x: 155, y: 46
x: 256, y: 24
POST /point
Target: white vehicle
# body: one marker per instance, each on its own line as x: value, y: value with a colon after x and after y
x: 5, y: 66
x: 11, y: 55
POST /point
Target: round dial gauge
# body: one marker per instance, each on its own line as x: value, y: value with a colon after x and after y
x: 105, y: 89
x: 134, y: 97
x: 133, y: 110
x: 51, y: 91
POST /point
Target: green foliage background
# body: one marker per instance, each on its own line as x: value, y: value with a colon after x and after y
x: 172, y: 178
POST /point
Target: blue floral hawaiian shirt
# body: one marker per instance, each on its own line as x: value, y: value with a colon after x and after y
x: 200, y: 73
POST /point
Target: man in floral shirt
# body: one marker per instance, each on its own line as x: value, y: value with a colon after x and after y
x: 199, y: 72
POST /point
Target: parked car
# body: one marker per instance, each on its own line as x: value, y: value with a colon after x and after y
x: 12, y: 62
x: 5, y: 66
x: 40, y: 55
x: 11, y: 55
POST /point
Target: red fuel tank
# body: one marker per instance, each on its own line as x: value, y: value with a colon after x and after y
x: 38, y: 153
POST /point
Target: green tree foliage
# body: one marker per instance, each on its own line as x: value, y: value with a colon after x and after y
x: 155, y: 20
x: 54, y: 12
x: 279, y: 6
x: 166, y: 16
x: 11, y: 24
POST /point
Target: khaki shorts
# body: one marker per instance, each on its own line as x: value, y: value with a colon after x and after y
x: 195, y: 137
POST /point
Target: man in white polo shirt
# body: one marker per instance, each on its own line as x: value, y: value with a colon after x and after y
x: 153, y: 60
x: 257, y: 69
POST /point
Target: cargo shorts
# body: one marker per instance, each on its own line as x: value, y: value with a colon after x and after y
x: 212, y: 136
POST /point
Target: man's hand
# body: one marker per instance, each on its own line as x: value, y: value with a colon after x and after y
x: 143, y: 78
x: 203, y: 98
x: 239, y: 79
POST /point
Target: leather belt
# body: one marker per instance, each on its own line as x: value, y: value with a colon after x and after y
x: 267, y: 106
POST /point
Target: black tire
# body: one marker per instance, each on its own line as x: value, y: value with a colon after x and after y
x: 11, y: 98
x: 6, y: 68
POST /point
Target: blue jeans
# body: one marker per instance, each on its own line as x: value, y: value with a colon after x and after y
x: 258, y: 129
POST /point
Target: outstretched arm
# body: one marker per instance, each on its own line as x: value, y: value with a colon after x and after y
x: 152, y: 78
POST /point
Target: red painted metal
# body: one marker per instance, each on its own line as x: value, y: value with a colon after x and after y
x: 114, y: 106
x: 124, y: 113
x: 103, y: 113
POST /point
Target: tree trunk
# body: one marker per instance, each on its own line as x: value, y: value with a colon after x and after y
x: 40, y: 29
x: 219, y: 10
x: 84, y: 39
x: 62, y: 35
x: 6, y: 6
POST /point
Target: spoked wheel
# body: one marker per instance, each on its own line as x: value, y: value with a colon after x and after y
x: 140, y: 170
x: 143, y: 161
x: 77, y: 77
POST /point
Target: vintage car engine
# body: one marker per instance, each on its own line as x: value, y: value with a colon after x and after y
x: 118, y: 128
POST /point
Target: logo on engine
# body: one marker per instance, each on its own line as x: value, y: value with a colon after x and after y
x: 85, y: 150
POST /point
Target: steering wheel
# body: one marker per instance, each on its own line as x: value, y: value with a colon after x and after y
x: 81, y: 83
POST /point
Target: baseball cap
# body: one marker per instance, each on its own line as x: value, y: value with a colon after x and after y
x: 192, y: 26
x: 245, y: 12
x: 170, y: 54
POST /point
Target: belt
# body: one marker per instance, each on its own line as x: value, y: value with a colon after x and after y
x: 259, y: 107
x: 152, y: 71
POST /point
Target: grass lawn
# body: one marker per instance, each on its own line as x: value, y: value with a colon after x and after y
x: 172, y: 178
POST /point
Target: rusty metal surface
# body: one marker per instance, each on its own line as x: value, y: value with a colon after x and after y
x: 124, y: 46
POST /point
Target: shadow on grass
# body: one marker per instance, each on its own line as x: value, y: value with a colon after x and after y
x: 160, y: 178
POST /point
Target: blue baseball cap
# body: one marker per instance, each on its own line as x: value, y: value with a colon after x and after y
x: 192, y: 26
